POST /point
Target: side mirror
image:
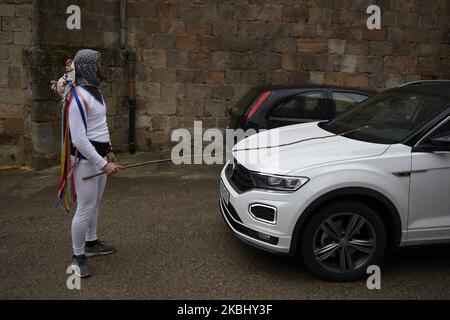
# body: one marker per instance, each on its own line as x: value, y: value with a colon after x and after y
x: 439, y: 143
x: 441, y: 140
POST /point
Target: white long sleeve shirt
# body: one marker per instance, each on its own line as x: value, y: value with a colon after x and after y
x: 97, y: 127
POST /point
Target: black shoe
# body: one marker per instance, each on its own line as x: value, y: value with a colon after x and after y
x: 100, y: 248
x: 80, y: 266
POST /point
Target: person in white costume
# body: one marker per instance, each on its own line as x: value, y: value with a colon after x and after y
x: 93, y: 152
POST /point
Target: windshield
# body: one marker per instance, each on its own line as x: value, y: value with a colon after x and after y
x: 388, y: 118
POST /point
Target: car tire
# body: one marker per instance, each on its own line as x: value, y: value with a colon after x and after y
x: 341, y: 240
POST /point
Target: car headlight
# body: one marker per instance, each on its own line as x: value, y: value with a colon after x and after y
x: 276, y: 182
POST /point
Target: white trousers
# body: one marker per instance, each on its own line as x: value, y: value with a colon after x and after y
x: 89, y: 196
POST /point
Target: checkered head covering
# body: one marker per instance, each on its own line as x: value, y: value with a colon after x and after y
x: 86, y: 64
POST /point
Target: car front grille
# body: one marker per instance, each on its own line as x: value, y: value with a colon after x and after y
x: 239, y: 177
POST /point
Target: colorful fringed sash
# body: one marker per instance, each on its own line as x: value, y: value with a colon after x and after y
x: 66, y: 186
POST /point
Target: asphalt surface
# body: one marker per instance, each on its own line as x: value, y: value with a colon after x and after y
x: 173, y: 244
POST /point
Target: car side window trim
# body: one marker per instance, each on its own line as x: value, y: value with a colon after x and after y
x: 287, y: 99
x: 432, y: 131
x: 332, y: 100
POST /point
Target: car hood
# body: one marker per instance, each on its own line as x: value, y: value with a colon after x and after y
x: 317, y: 147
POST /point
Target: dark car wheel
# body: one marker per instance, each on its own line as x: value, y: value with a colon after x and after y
x: 341, y: 240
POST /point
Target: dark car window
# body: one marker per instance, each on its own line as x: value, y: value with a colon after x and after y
x: 389, y: 117
x: 309, y: 105
x: 443, y: 130
x: 343, y: 100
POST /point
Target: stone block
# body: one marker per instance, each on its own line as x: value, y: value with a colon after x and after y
x: 23, y: 11
x: 198, y: 91
x: 6, y: 10
x: 416, y: 35
x: 171, y: 26
x: 157, y: 137
x: 268, y: 61
x: 167, y: 10
x: 400, y: 48
x: 143, y: 122
x: 399, y: 65
x: 428, y: 66
x: 295, y: 14
x: 209, y: 43
x: 216, y: 77
x: 277, y: 29
x: 311, y: 46
x: 420, y: 49
x: 16, y: 24
x: 357, y: 47
x: 290, y: 62
x: 215, y: 108
x: 177, y: 58
x: 380, y: 48
x: 173, y: 90
x: 201, y: 28
x: 370, y: 64
x: 225, y: 28
x: 286, y: 45
x: 336, y: 46
x: 163, y: 41
x: 235, y: 44
x: 187, y: 42
x: 163, y: 75
x: 407, y: 19
x: 157, y: 106
x: 245, y: 13
x: 43, y: 137
x: 395, y: 34
x: 155, y: 58
x: 316, y: 77
x: 199, y: 60
x: 254, y: 29
x: 220, y: 60
x: 15, y: 111
x: 269, y: 13
x: 222, y: 93
x: 189, y: 107
x: 428, y: 21
x: 14, y: 126
x: 349, y: 64
x: 6, y: 37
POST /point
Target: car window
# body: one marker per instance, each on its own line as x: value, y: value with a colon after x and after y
x: 309, y: 105
x: 344, y: 100
x: 389, y: 117
x: 442, y: 130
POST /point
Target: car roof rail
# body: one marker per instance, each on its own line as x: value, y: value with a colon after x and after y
x: 423, y: 81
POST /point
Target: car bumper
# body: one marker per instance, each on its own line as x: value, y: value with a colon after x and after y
x: 269, y: 237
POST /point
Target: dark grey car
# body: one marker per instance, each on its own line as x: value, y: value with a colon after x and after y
x: 266, y: 107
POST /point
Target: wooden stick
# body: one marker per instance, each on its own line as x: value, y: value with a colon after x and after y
x: 245, y: 149
x: 139, y: 164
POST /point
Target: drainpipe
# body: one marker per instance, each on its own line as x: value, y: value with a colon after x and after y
x: 131, y: 63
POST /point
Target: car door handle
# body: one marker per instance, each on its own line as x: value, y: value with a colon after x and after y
x: 407, y: 173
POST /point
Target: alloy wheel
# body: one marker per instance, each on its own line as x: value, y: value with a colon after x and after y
x: 344, y: 242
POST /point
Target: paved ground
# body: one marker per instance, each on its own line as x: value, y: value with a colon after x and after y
x: 172, y: 244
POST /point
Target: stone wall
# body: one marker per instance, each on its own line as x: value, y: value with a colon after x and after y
x: 195, y: 58
x: 198, y: 57
x: 16, y: 19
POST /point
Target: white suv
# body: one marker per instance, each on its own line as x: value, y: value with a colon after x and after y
x: 341, y: 192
